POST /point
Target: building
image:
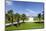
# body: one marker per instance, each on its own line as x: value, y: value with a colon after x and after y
x: 30, y: 19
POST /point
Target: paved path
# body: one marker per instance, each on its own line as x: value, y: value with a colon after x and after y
x: 11, y: 23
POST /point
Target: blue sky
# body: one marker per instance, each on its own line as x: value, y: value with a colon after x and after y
x: 28, y: 8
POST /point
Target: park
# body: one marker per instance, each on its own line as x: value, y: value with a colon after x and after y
x: 21, y: 15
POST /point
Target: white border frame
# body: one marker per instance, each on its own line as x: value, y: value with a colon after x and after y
x: 2, y: 15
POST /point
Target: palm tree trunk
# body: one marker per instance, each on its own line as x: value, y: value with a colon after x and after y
x: 18, y: 22
x: 23, y: 21
x: 40, y: 20
x: 12, y: 20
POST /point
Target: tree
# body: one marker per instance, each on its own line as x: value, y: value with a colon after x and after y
x: 7, y: 18
x: 23, y: 17
x: 39, y: 17
x: 10, y: 14
x: 17, y: 17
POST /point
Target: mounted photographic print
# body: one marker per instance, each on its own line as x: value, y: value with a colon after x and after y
x: 24, y: 15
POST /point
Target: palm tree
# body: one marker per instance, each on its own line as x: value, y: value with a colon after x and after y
x: 10, y: 14
x: 39, y: 17
x: 7, y: 18
x: 17, y: 17
x: 23, y: 17
x: 43, y: 15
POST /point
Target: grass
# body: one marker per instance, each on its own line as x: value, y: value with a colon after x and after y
x: 26, y: 26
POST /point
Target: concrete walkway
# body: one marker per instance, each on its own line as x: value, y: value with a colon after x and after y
x: 11, y: 23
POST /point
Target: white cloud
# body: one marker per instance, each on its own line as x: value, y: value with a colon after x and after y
x: 29, y: 10
x: 9, y: 2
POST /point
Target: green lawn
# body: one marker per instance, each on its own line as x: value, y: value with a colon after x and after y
x: 26, y: 26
